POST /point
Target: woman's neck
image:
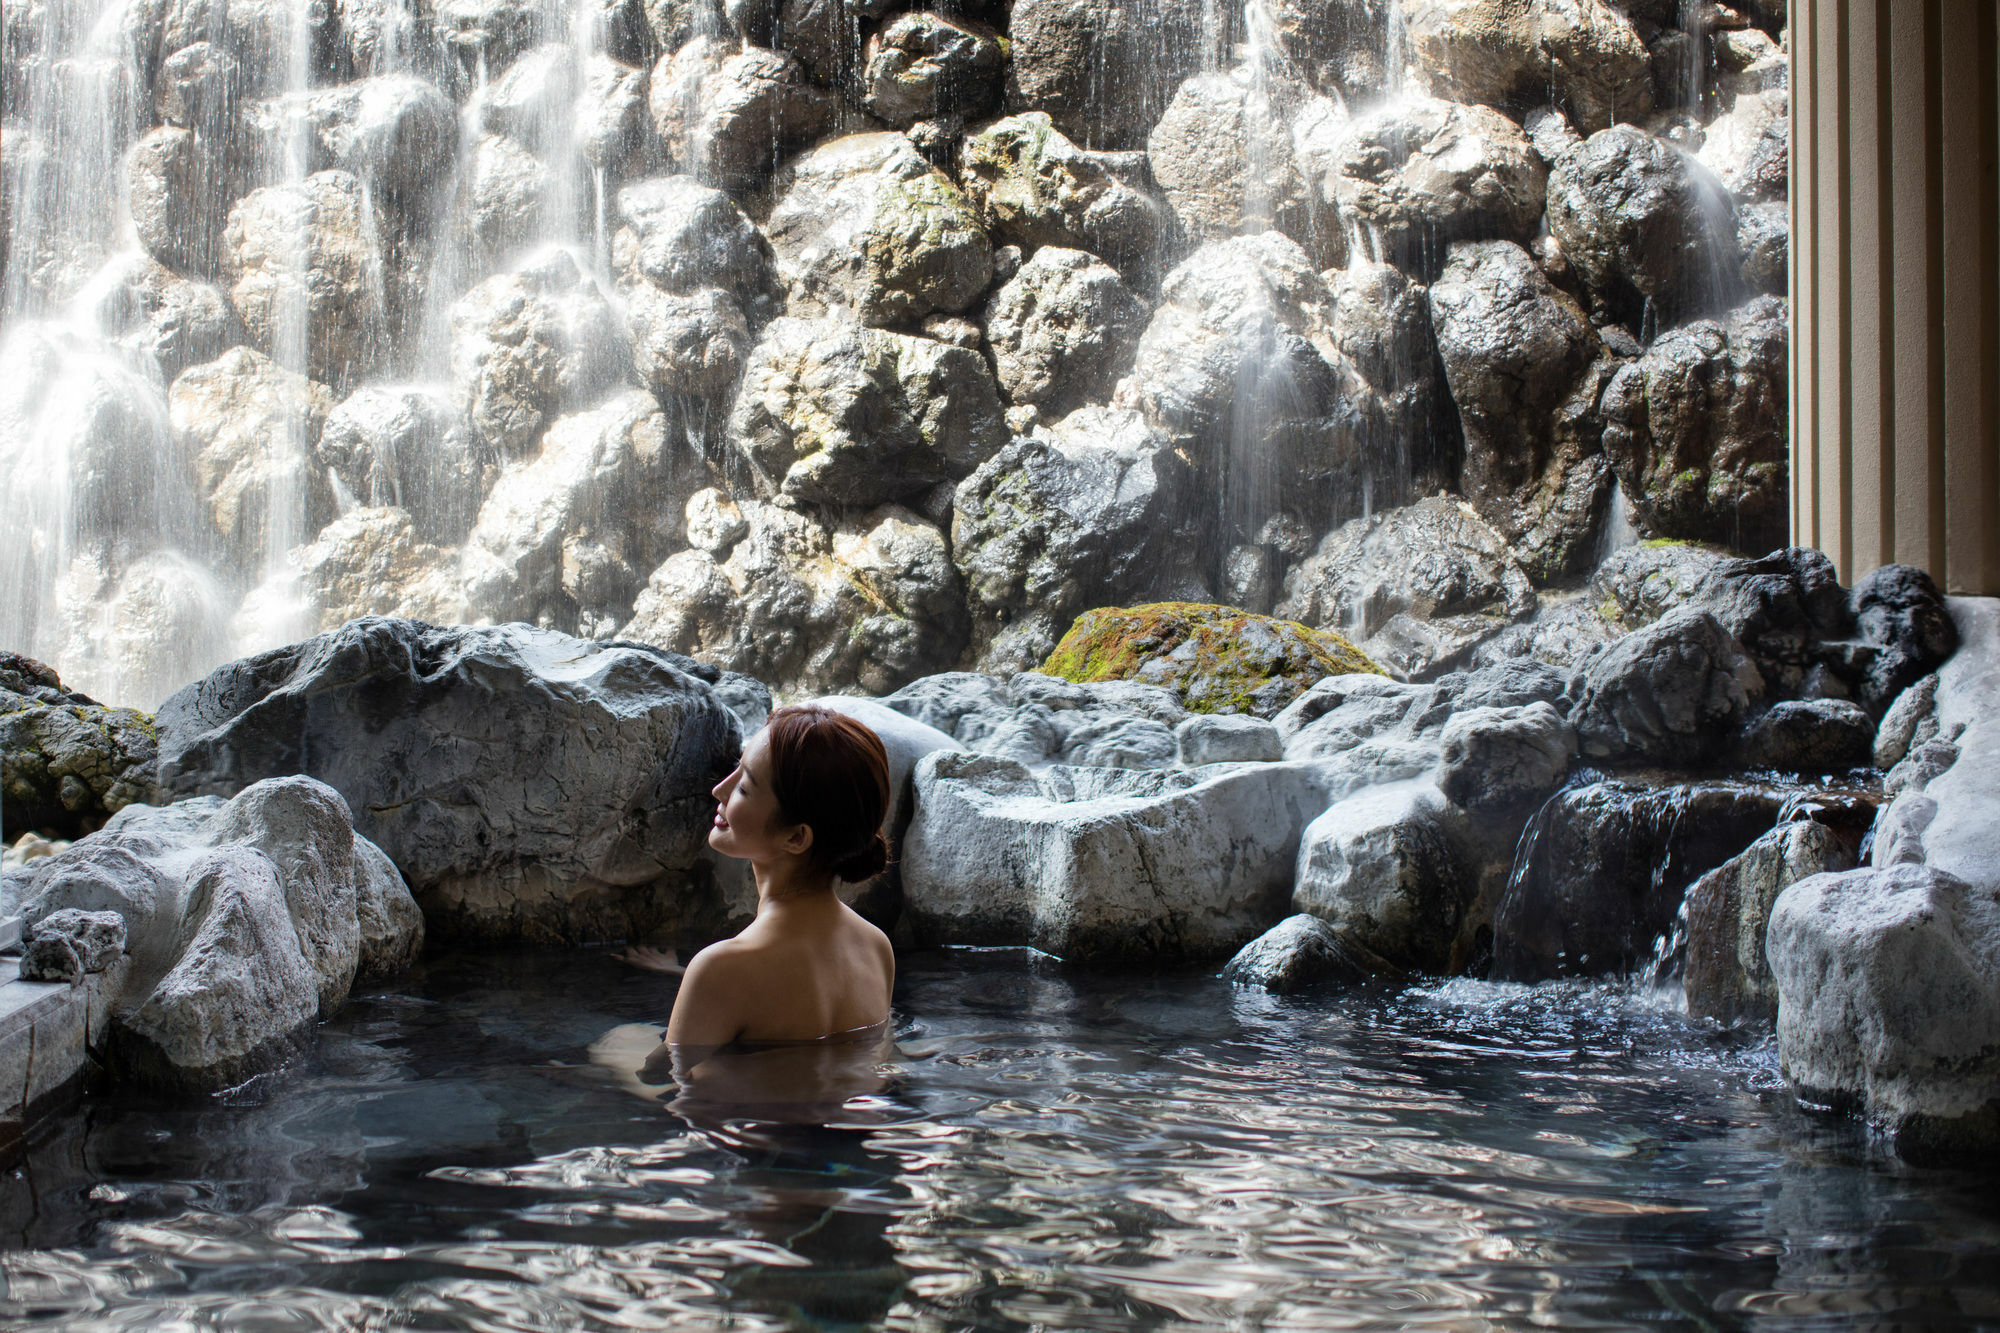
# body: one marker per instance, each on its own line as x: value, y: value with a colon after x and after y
x: 790, y: 884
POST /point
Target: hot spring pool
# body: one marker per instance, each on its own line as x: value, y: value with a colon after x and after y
x: 1061, y: 1151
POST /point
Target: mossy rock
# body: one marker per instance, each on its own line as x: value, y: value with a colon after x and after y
x: 67, y: 763
x: 1216, y: 658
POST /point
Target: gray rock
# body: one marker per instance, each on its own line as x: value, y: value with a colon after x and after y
x: 492, y: 30
x: 177, y: 322
x: 1727, y: 976
x: 867, y: 224
x: 530, y: 345
x: 1381, y: 868
x: 1642, y: 221
x: 1298, y: 952
x: 922, y: 65
x: 508, y: 197
x: 1104, y: 72
x: 1584, y: 53
x: 196, y: 88
x: 1034, y: 187
x: 1119, y: 742
x: 298, y: 257
x: 692, y: 344
x: 1910, y: 722
x: 1062, y: 329
x: 371, y: 561
x: 1337, y: 44
x: 1697, y: 429
x: 1810, y: 736
x: 1504, y: 760
x: 945, y: 700
x: 614, y: 126
x: 826, y: 35
x: 68, y: 945
x: 683, y: 236
x: 1889, y: 1002
x: 1899, y: 611
x: 402, y: 445
x: 1748, y: 147
x: 1520, y: 358
x: 1227, y: 738
x: 397, y: 132
x: 1671, y: 693
x: 578, y: 810
x: 1417, y: 588
x: 177, y: 187
x: 724, y: 112
x: 1764, y: 236
x: 250, y: 427
x: 1222, y: 154
x: 386, y: 916
x: 534, y: 100
x: 834, y: 413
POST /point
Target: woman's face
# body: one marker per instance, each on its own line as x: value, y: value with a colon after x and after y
x: 748, y: 823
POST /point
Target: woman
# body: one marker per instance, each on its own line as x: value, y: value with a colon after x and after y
x: 804, y: 806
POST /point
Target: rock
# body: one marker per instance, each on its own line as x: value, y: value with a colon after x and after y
x: 1749, y: 146
x: 241, y: 999
x: 614, y: 125
x: 1061, y: 330
x: 1181, y: 865
x: 530, y: 345
x: 906, y: 741
x: 68, y: 945
x: 1034, y: 718
x: 834, y: 413
x: 828, y: 36
x: 1697, y: 429
x: 1602, y: 870
x: 922, y: 65
x: 1104, y: 72
x: 1413, y: 173
x: 509, y: 197
x: 297, y: 258
x: 1726, y: 976
x: 250, y: 426
x: 135, y: 629
x: 177, y: 187
x: 196, y: 88
x: 534, y: 101
x: 1899, y: 611
x: 723, y: 112
x: 489, y: 32
x: 867, y: 224
x: 1910, y: 722
x: 1889, y: 1003
x: 397, y: 132
x: 1298, y: 952
x: 373, y: 562
x: 1336, y: 44
x: 568, y: 535
x: 691, y: 344
x: 386, y: 917
x: 1672, y: 693
x: 402, y: 445
x: 867, y: 605
x: 1764, y: 236
x: 1222, y: 154
x: 175, y: 322
x: 1499, y: 761
x: 1810, y: 736
x: 1227, y: 738
x: 1087, y: 513
x: 1381, y: 869
x: 1214, y: 658
x: 1418, y: 588
x: 683, y: 236
x: 578, y: 810
x: 1642, y: 221
x: 1520, y: 356
x: 1584, y: 53
x: 1034, y: 187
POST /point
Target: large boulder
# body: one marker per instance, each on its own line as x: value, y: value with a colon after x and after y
x: 577, y: 809
x: 1671, y: 693
x: 1062, y: 330
x: 1641, y: 221
x: 1587, y: 54
x: 1222, y: 154
x: 1102, y: 863
x: 1726, y: 975
x: 403, y: 445
x: 1105, y: 71
x: 506, y: 199
x: 725, y: 111
x: 1091, y: 512
x: 832, y: 412
x: 397, y: 132
x: 1603, y: 868
x: 1416, y: 588
x: 1495, y: 761
x: 1523, y: 364
x: 1697, y: 429
x: 374, y: 561
x: 687, y: 344
x: 66, y: 761
x: 1033, y: 718
x: 1888, y: 985
x: 1900, y: 613
x: 298, y: 260
x: 1810, y: 736
x: 1412, y: 173
x: 250, y: 428
x: 683, y: 236
x: 1383, y: 869
x: 178, y: 192
x: 866, y: 605
x: 1216, y: 659
x: 867, y: 224
x: 918, y: 66
x: 1336, y: 44
x: 1034, y: 187
x: 174, y: 321
x: 1749, y: 146
x: 530, y: 345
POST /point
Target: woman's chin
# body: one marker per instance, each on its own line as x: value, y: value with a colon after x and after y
x: 719, y: 839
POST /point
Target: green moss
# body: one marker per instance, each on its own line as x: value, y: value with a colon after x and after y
x: 1216, y: 658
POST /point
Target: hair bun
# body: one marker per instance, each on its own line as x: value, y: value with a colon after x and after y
x: 867, y: 863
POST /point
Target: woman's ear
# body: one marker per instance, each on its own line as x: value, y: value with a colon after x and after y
x: 799, y: 841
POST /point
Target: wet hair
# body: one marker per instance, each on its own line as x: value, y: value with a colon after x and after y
x: 830, y: 773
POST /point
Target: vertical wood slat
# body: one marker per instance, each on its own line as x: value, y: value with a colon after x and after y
x: 1869, y: 394
x: 1917, y: 430
x: 1803, y: 283
x: 1830, y: 258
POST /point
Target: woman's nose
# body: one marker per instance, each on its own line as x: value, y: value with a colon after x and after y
x: 721, y: 790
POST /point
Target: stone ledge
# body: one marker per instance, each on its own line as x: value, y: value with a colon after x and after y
x: 47, y: 1030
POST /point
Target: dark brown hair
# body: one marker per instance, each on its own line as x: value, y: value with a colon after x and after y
x: 830, y: 772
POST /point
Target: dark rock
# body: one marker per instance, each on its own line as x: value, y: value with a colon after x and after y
x: 1671, y: 693
x: 68, y: 945
x: 922, y: 65
x: 1902, y: 615
x: 1504, y: 760
x: 66, y: 762
x: 1810, y: 736
x: 724, y: 112
x: 1298, y: 952
x: 1104, y: 72
x: 1727, y: 976
x: 1587, y: 55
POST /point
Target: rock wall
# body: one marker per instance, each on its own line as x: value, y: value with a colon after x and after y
x: 846, y: 344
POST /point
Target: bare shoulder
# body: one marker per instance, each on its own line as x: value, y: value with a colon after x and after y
x: 876, y: 942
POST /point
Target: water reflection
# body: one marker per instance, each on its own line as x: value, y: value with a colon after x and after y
x: 1045, y: 1150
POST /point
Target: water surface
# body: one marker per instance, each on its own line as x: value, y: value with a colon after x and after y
x: 1057, y: 1150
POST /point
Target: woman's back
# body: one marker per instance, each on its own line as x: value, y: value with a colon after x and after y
x: 801, y: 971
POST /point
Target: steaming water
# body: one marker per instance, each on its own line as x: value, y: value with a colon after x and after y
x: 1060, y: 1151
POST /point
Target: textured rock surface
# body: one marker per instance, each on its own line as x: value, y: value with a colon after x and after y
x: 1810, y: 736
x: 579, y: 811
x: 922, y: 65
x: 1104, y: 72
x: 296, y: 258
x: 67, y: 945
x: 1061, y: 330
x: 67, y: 762
x: 724, y: 113
x: 1672, y: 692
x: 250, y: 426
x: 1298, y: 952
x: 401, y: 445
x: 1504, y: 760
x: 1034, y: 187
x: 1381, y: 868
x: 1727, y: 976
x: 1587, y: 53
x: 1222, y: 154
